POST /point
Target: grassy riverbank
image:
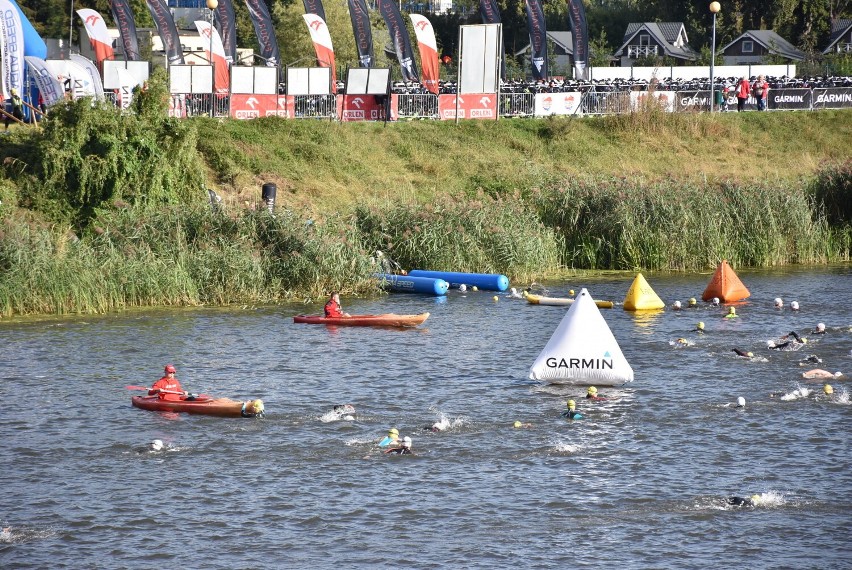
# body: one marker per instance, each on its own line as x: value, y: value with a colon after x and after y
x: 102, y: 211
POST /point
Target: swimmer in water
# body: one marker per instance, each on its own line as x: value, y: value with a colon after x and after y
x: 715, y: 301
x: 571, y: 413
x: 699, y: 328
x: 592, y: 394
x: 692, y: 303
x: 732, y: 313
x: 519, y: 424
x: 743, y: 353
x: 794, y: 305
x: 156, y: 445
x: 752, y: 501
x: 392, y: 438
x: 779, y: 304
x: 741, y: 402
x: 676, y: 306
x: 344, y: 411
x: 820, y: 373
x: 820, y: 329
x: 404, y: 449
x: 791, y: 343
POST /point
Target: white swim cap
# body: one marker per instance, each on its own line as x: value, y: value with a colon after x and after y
x: 406, y: 441
x: 820, y: 327
x: 779, y: 302
x: 157, y: 445
x: 715, y: 300
x: 794, y: 305
x: 741, y: 402
x: 677, y: 304
x: 462, y: 287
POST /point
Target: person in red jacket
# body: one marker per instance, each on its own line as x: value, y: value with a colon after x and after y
x: 743, y: 91
x: 168, y: 387
x: 332, y: 307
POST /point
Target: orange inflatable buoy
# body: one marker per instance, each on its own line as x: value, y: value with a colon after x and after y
x: 726, y: 285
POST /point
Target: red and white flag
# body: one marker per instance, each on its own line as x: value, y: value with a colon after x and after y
x: 322, y: 45
x: 222, y: 79
x: 429, y: 66
x: 99, y: 36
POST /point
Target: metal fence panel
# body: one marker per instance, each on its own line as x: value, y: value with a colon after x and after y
x: 417, y: 106
x: 517, y: 104
x: 315, y: 106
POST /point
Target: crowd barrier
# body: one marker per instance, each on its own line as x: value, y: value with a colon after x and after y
x: 400, y: 107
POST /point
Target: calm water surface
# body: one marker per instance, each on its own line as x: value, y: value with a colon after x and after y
x: 639, y: 483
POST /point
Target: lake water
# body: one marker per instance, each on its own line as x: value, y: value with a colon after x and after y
x: 641, y: 482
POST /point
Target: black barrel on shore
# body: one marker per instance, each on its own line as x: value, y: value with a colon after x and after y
x: 267, y: 193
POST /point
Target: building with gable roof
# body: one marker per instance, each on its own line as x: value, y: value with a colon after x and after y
x: 755, y: 46
x: 560, y: 50
x: 653, y: 39
x: 840, y: 40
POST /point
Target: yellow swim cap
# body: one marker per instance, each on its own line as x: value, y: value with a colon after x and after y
x: 755, y: 499
x: 750, y: 354
x: 258, y: 406
x: 804, y: 340
x: 828, y: 389
x: 571, y: 292
x: 692, y: 301
x: 394, y: 431
x: 592, y: 390
x: 572, y: 404
x: 517, y: 424
x: 732, y: 310
x: 701, y: 325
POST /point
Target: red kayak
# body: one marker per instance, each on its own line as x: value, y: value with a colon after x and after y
x: 202, y: 404
x: 386, y: 320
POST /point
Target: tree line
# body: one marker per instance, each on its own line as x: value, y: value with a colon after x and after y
x: 804, y: 23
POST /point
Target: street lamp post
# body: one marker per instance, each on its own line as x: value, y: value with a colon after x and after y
x: 71, y: 30
x: 212, y: 5
x: 714, y: 7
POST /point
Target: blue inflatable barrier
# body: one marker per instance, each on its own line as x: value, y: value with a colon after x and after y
x: 408, y: 284
x: 487, y: 281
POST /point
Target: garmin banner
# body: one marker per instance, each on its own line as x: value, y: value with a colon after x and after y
x: 401, y: 40
x: 360, y: 17
x: 167, y: 30
x: 314, y: 7
x: 538, y: 39
x: 798, y: 99
x: 12, y: 44
x: 225, y: 21
x: 265, y: 32
x: 580, y: 37
x: 831, y: 98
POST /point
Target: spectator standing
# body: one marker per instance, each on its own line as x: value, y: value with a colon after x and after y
x: 760, y: 90
x: 743, y: 90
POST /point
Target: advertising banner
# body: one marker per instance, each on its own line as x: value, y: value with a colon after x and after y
x: 167, y: 30
x: 322, y: 45
x: 48, y: 85
x: 254, y: 105
x: 222, y: 76
x: 579, y: 37
x: 360, y: 108
x: 832, y: 98
x: 470, y: 106
x: 538, y: 39
x: 123, y: 17
x: 265, y: 32
x: 429, y: 66
x: 12, y: 46
x: 225, y: 21
x: 400, y: 38
x: 557, y: 103
x: 360, y: 17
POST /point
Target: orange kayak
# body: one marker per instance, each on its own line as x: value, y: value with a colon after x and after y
x: 385, y: 320
x: 203, y: 405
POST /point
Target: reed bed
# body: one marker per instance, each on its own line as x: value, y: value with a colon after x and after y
x: 672, y: 225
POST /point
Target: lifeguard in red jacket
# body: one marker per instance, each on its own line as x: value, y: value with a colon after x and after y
x: 333, y: 309
x: 168, y: 387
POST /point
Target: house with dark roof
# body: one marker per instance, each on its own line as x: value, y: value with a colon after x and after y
x: 653, y: 39
x: 755, y: 46
x: 841, y: 37
x: 560, y: 51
